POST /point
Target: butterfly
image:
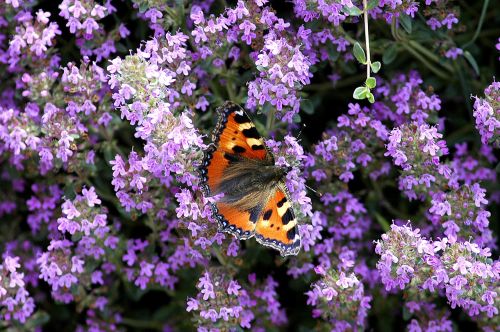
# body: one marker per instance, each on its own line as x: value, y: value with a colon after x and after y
x: 255, y: 201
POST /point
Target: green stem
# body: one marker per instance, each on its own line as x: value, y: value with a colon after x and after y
x: 231, y: 90
x: 367, y: 38
x: 271, y: 117
x: 142, y: 324
x: 429, y: 54
x: 429, y: 65
x: 394, y: 29
x: 219, y: 256
x: 419, y: 51
x: 479, y: 25
x: 466, y: 90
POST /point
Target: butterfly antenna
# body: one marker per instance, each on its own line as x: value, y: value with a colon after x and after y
x: 314, y: 191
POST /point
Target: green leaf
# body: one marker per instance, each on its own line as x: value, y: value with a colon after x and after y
x: 371, y: 82
x: 405, y: 21
x: 359, y: 53
x: 76, y: 237
x: 38, y: 319
x: 296, y: 118
x: 307, y: 106
x: 472, y: 61
x: 390, y: 54
x: 372, y: 4
x: 360, y: 92
x: 406, y: 314
x: 370, y: 97
x: 143, y: 7
x: 121, y: 48
x: 375, y: 66
x: 69, y: 190
x: 386, y: 226
x: 352, y: 11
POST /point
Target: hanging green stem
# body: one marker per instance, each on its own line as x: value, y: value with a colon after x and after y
x: 367, y: 38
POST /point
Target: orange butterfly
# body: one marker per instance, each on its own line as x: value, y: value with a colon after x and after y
x: 255, y: 200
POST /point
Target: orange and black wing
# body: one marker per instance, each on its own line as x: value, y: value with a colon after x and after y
x: 277, y: 226
x: 235, y: 138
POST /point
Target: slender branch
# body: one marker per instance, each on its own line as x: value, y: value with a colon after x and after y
x: 419, y: 51
x: 143, y: 324
x: 271, y: 117
x: 367, y: 38
x: 231, y: 90
x: 479, y: 25
x: 429, y: 65
x: 219, y: 256
x: 429, y: 54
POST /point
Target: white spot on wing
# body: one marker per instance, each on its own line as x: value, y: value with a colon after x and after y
x: 254, y: 141
x: 283, y: 208
x: 246, y: 125
x: 290, y: 225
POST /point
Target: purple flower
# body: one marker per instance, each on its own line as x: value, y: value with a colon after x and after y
x: 487, y: 115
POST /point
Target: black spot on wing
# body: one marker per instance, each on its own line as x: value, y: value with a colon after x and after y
x: 251, y: 133
x: 238, y: 149
x: 280, y: 203
x: 257, y: 147
x: 231, y: 157
x: 267, y: 214
x: 241, y: 118
x: 288, y: 216
x: 291, y: 234
x: 229, y: 108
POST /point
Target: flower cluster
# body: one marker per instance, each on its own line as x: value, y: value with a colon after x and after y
x: 64, y: 265
x: 463, y: 271
x: 334, y: 12
x: 151, y: 86
x: 102, y: 134
x: 15, y: 301
x: 34, y: 36
x: 56, y: 133
x: 83, y: 20
x: 351, y: 313
x: 487, y: 115
x: 223, y: 303
x: 283, y: 68
x: 417, y: 150
x: 404, y: 99
x: 329, y: 154
x: 437, y: 12
x: 428, y: 317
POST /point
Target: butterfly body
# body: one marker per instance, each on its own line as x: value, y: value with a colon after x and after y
x: 252, y: 198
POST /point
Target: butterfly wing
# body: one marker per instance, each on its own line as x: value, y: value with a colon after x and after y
x: 235, y: 139
x: 236, y: 134
x: 277, y: 226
